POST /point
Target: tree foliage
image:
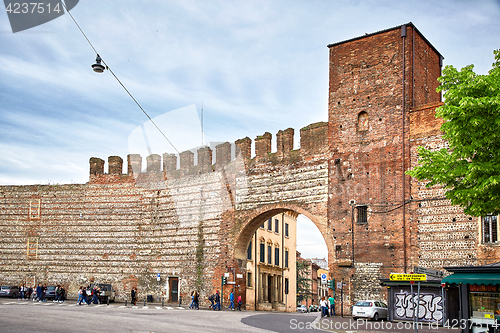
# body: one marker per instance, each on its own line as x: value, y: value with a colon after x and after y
x: 470, y: 169
x: 303, y: 282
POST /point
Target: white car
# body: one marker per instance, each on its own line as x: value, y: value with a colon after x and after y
x: 369, y: 309
x: 302, y: 309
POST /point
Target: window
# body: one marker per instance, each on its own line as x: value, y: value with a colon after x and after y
x: 286, y: 230
x: 270, y: 224
x: 363, y: 122
x: 490, y: 229
x: 262, y: 252
x: 362, y: 214
x: 269, y: 254
x: 287, y: 286
x: 276, y: 225
x: 286, y: 258
x: 249, y: 279
x: 249, y: 251
x: 262, y: 226
x: 277, y: 256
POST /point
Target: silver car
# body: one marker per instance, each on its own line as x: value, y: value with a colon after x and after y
x: 369, y: 309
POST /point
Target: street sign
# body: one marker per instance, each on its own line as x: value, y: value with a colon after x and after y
x: 231, y: 282
x: 323, y: 278
x: 239, y: 276
x: 428, y: 271
x: 226, y: 274
x: 339, y: 285
x: 158, y: 277
x: 407, y: 277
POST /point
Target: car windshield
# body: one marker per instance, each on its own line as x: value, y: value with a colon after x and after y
x: 51, y: 288
x: 5, y: 287
x: 363, y: 303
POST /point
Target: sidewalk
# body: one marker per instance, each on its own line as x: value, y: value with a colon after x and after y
x: 347, y: 324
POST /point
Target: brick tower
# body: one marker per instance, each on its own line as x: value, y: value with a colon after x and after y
x: 375, y: 82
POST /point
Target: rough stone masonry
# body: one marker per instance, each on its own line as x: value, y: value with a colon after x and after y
x: 194, y: 222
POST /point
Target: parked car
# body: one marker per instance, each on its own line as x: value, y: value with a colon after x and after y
x: 302, y: 309
x: 9, y: 291
x: 50, y: 293
x: 314, y: 308
x: 107, y: 292
x: 369, y: 309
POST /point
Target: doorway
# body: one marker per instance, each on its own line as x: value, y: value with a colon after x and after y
x: 173, y: 283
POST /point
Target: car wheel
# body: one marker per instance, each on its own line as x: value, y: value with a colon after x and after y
x: 14, y: 295
x: 355, y: 318
x: 375, y: 316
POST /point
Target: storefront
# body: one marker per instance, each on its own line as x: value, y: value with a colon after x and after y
x: 479, y: 297
x: 403, y: 299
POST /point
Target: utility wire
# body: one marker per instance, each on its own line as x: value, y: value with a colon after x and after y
x: 116, y: 77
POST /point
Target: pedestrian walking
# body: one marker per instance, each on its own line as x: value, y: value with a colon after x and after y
x: 95, y: 295
x: 239, y: 303
x: 44, y: 290
x: 331, y: 300
x: 196, y: 299
x: 192, y: 300
x: 231, y: 301
x: 38, y: 292
x: 217, y: 300
x: 323, y: 305
x: 133, y: 296
x: 211, y: 299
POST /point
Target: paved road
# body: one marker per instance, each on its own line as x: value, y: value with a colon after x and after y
x: 24, y: 316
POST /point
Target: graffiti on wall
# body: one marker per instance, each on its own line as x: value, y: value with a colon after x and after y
x: 430, y: 306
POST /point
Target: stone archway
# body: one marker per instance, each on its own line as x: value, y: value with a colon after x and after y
x: 261, y: 276
x: 254, y: 219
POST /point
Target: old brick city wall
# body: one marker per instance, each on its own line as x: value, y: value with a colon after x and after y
x: 194, y: 222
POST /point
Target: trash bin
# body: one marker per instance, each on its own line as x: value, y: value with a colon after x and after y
x: 150, y: 299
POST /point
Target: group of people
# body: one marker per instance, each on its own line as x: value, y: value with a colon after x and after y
x: 195, y: 300
x: 39, y: 294
x: 88, y: 295
x: 215, y: 301
x: 327, y: 306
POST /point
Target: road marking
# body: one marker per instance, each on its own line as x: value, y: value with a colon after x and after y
x: 9, y: 303
x: 169, y: 308
x: 180, y: 308
x: 123, y: 306
x: 135, y: 307
x: 145, y: 307
x: 48, y: 304
x: 158, y: 307
x: 97, y: 306
x: 73, y: 304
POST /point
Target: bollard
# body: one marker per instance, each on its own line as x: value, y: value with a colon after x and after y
x: 180, y: 300
x: 162, y: 302
x: 144, y: 301
x: 125, y: 302
x: 107, y: 300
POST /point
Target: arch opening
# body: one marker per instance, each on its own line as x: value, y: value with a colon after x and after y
x: 266, y: 248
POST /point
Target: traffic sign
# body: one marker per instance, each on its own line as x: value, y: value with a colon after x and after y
x: 323, y: 278
x: 407, y: 277
x: 339, y: 285
x: 428, y: 271
x: 158, y: 277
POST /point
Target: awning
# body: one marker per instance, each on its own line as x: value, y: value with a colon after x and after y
x: 473, y: 278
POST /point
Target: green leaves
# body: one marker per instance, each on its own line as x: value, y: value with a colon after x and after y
x: 470, y: 169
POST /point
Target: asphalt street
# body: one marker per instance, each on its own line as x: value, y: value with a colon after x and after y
x: 25, y: 316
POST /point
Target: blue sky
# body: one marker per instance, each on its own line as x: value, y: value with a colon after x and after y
x: 256, y: 66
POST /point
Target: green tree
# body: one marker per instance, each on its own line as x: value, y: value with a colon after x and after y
x: 303, y: 282
x: 469, y: 170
